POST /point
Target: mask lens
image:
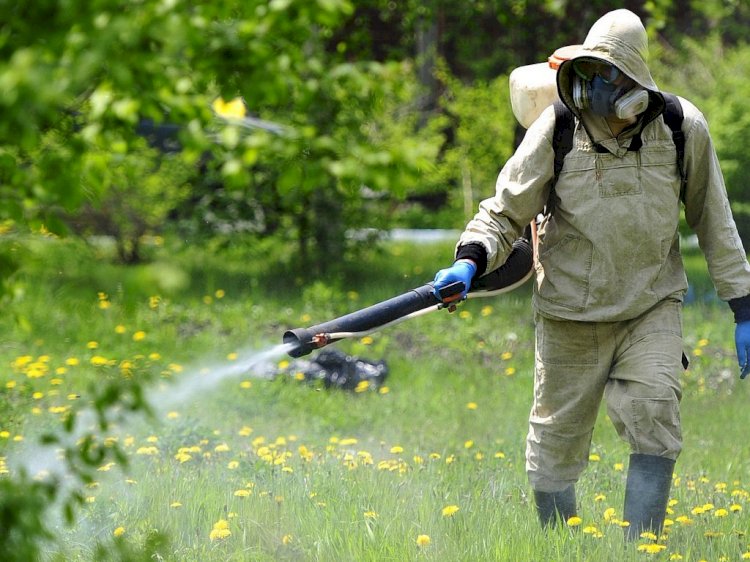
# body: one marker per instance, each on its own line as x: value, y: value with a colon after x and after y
x: 586, y: 69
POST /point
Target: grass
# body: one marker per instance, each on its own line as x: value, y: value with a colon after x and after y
x: 247, y: 468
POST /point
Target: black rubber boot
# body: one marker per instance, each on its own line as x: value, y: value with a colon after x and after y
x: 554, y: 506
x: 647, y: 494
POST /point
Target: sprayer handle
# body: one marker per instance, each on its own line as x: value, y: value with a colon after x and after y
x: 451, y: 292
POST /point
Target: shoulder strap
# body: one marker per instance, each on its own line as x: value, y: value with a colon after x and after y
x: 673, y: 117
x: 562, y: 141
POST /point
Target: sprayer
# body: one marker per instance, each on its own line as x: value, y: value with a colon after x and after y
x: 421, y: 300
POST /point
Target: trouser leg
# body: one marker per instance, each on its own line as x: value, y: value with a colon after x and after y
x: 643, y: 398
x: 572, y: 364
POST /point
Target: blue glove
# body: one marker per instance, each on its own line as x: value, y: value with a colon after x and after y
x: 742, y: 341
x: 463, y: 271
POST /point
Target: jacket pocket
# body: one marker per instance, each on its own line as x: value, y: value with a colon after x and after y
x: 567, y: 270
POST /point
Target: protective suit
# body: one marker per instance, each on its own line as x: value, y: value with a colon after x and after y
x: 609, y: 275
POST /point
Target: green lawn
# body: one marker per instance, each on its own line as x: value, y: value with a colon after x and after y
x: 235, y: 466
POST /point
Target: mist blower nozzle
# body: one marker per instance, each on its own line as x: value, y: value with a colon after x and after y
x: 421, y: 300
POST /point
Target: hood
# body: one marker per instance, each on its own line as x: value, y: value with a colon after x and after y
x: 619, y: 38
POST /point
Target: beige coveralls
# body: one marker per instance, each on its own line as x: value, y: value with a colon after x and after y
x: 609, y: 275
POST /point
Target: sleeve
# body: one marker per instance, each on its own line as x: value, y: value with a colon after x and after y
x: 708, y: 213
x: 521, y: 191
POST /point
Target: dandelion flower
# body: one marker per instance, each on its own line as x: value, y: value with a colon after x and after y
x: 397, y: 449
x: 651, y: 548
x: 367, y: 340
x: 735, y: 508
x: 175, y: 505
x: 721, y: 513
x: 574, y: 521
x: 286, y: 539
x: 370, y: 515
x: 450, y: 510
x: 384, y: 390
x: 220, y: 530
x: 423, y: 540
x: 120, y: 531
x: 505, y: 355
x: 468, y: 444
x: 472, y: 405
x: 242, y: 493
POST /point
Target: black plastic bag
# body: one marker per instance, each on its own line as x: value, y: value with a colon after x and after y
x: 339, y: 370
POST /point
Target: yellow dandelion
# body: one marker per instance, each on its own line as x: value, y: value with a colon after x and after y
x: 232, y: 356
x: 243, y: 493
x: 397, y: 449
x: 246, y: 384
x: 220, y: 530
x: 505, y: 355
x: 600, y: 498
x: 220, y: 293
x: 362, y: 386
x: 384, y: 390
x: 120, y: 531
x: 472, y: 406
x: 370, y: 515
x: 450, y: 510
x: 175, y: 505
x: 140, y: 335
x: 367, y: 340
x: 574, y: 521
x: 735, y: 508
x: 92, y: 345
x: 286, y: 539
x: 618, y: 467
x: 510, y: 371
x: 120, y: 329
x: 675, y: 556
x: 721, y: 513
x: 593, y: 457
x: 486, y: 310
x: 651, y: 548
x: 423, y: 540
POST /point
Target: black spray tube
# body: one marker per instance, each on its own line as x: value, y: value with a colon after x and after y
x: 515, y: 271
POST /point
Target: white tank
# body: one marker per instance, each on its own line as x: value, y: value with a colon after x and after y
x: 534, y: 87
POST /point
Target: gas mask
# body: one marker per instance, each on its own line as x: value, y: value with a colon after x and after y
x: 595, y: 88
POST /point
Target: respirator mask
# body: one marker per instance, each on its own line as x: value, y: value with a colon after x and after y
x: 595, y: 87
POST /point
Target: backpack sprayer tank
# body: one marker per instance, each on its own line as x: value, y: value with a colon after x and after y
x: 514, y: 272
x: 534, y: 87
